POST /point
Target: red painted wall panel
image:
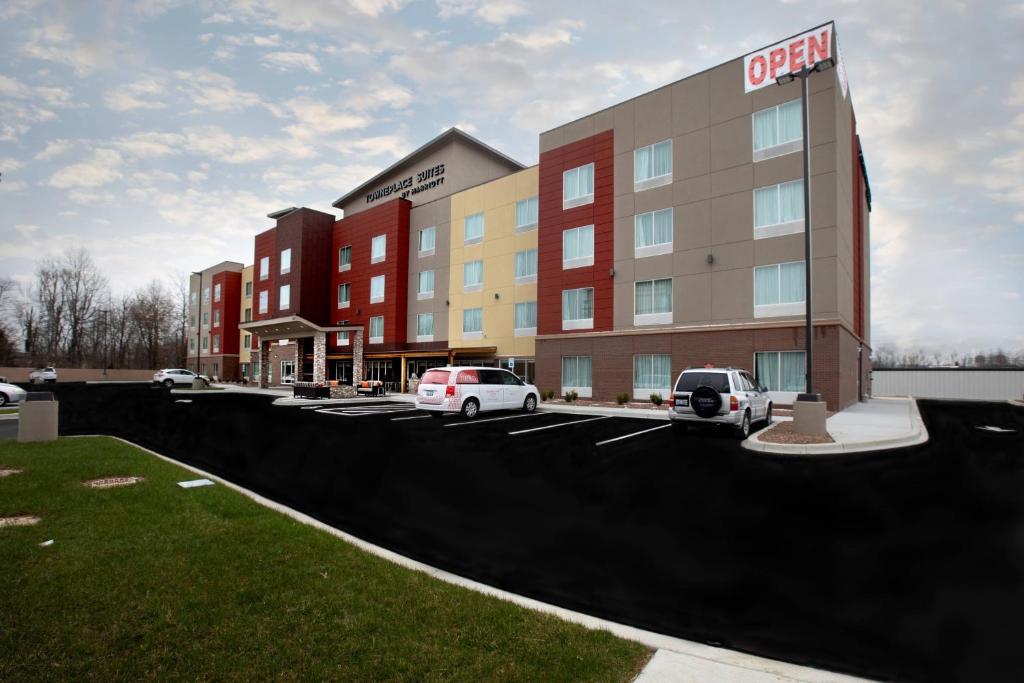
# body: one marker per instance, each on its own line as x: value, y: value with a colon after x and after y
x: 266, y: 245
x: 229, y: 308
x: 553, y: 220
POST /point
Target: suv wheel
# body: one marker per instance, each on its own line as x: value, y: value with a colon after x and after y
x: 470, y: 408
x: 768, y: 416
x: 530, y: 404
x: 3, y: 400
x: 744, y: 429
x: 168, y: 383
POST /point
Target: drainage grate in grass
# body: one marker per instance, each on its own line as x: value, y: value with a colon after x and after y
x: 112, y: 482
x: 19, y: 520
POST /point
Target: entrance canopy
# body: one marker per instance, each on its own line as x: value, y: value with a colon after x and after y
x: 291, y: 327
x: 295, y: 327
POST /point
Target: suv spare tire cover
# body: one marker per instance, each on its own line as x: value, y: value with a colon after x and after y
x: 705, y: 401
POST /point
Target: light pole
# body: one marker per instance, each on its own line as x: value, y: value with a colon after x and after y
x: 804, y: 74
x: 199, y: 315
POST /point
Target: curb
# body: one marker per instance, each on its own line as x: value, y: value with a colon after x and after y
x: 645, y: 413
x: 918, y: 435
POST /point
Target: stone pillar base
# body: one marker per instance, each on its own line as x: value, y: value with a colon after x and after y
x: 37, y: 421
x: 809, y: 417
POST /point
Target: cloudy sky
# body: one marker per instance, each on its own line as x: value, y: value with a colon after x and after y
x: 159, y: 133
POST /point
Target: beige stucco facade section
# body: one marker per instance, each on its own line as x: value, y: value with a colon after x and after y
x: 244, y: 355
x: 501, y: 242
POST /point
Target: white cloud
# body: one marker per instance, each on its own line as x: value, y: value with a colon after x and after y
x: 90, y: 198
x: 219, y: 145
x: 8, y: 164
x: 55, y: 148
x: 315, y: 118
x: 23, y: 105
x: 543, y: 38
x: 53, y: 42
x: 102, y: 168
x: 490, y: 11
x: 196, y: 176
x: 139, y: 95
x: 378, y: 91
x: 12, y: 186
x: 149, y: 145
x: 214, y: 91
x: 289, y: 61
x: 26, y: 230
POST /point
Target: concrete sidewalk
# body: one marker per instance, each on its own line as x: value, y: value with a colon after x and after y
x: 876, y: 424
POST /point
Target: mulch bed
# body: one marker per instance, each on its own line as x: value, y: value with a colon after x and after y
x: 783, y: 433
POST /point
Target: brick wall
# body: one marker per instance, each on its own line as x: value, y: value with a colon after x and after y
x: 265, y: 245
x: 229, y: 309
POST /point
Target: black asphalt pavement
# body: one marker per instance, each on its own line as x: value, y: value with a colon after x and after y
x: 905, y: 564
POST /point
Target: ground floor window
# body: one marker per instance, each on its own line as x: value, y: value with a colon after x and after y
x: 652, y: 374
x: 523, y: 368
x: 287, y: 371
x: 415, y: 367
x: 243, y: 370
x: 382, y: 370
x: 341, y: 371
x: 781, y: 370
x: 576, y: 375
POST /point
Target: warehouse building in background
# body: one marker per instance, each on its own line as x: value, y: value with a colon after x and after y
x: 660, y: 233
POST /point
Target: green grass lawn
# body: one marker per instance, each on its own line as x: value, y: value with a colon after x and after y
x: 153, y: 581
x: 8, y: 411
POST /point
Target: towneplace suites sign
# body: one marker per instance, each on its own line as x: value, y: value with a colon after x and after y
x: 414, y: 184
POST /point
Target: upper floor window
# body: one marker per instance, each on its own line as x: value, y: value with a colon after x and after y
x: 264, y: 267
x: 652, y: 233
x: 526, y: 318
x: 216, y: 343
x: 248, y: 289
x: 472, y: 275
x: 216, y: 292
x: 206, y: 343
x: 777, y: 131
x: 377, y: 329
x: 473, y: 228
x: 341, y: 338
x: 428, y: 238
x: 779, y: 289
x: 344, y: 258
x: 206, y: 295
x: 286, y: 261
x: 526, y: 266
x: 779, y: 209
x: 192, y: 298
x: 247, y: 316
x: 206, y: 318
x: 578, y: 247
x: 652, y: 302
x: 578, y: 186
x: 652, y: 166
x: 216, y: 318
x: 264, y: 301
x: 284, y: 297
x: 344, y: 295
x: 378, y: 248
x: 578, y: 308
x: 425, y: 285
x: 246, y: 341
x: 526, y: 213
x: 376, y: 289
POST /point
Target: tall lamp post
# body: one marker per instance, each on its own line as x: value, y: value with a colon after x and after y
x: 804, y: 74
x: 199, y: 315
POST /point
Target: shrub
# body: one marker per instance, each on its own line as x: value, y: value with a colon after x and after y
x: 544, y: 394
x: 622, y: 399
x: 656, y: 399
x: 571, y: 396
x: 551, y: 394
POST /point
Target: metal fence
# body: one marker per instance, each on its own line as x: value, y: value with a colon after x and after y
x: 970, y: 383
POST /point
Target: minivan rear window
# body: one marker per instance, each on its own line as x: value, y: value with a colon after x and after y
x: 435, y: 377
x: 719, y: 381
x: 467, y: 377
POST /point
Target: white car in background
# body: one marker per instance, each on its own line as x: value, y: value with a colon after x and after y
x: 42, y: 375
x: 172, y: 376
x: 10, y: 393
x: 472, y: 390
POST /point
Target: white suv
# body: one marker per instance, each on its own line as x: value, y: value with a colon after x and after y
x: 41, y: 375
x: 723, y: 396
x: 171, y: 376
x: 470, y: 390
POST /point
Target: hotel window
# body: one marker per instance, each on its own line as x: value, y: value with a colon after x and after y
x: 779, y: 209
x: 192, y: 298
x: 216, y: 318
x: 216, y: 292
x: 425, y: 285
x: 341, y: 339
x: 247, y: 317
x: 206, y: 318
x: 284, y: 297
x: 344, y: 295
x: 526, y: 266
x: 473, y: 229
x: 206, y: 343
x: 286, y: 261
x: 777, y: 131
x: 578, y: 308
x: 264, y: 267
x: 526, y: 319
x: 246, y: 341
x: 206, y: 295
x: 425, y: 327
x: 578, y: 186
x: 248, y: 290
x: 377, y: 329
x: 428, y: 238
x: 472, y: 276
x: 577, y: 376
x: 264, y: 297
x: 652, y: 374
x: 191, y: 344
x: 216, y: 343
x: 652, y: 302
x: 781, y: 370
x: 779, y: 289
x: 472, y: 323
x: 378, y: 248
x: 652, y: 166
x: 652, y: 233
x: 376, y: 289
x: 526, y: 214
x: 578, y: 247
x: 344, y: 258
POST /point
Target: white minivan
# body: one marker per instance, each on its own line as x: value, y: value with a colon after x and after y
x: 470, y: 390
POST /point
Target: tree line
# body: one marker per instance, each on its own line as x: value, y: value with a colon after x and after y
x: 887, y: 357
x: 68, y: 316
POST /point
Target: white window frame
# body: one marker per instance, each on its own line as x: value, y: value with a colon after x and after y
x: 532, y: 209
x: 286, y: 261
x: 264, y: 301
x: 659, y: 318
x: 206, y: 295
x: 778, y: 149
x: 659, y: 247
x: 248, y: 289
x: 578, y: 323
x: 644, y: 393
x: 579, y: 261
x: 524, y: 331
x: 345, y: 303
x: 776, y: 310
x: 378, y: 339
x: 341, y: 338
x: 532, y: 277
x: 419, y: 245
x: 246, y: 340
x: 264, y: 267
x: 342, y: 267
x: 206, y: 342
x: 379, y: 239
x: 473, y: 334
x: 582, y: 392
x: 424, y: 337
x: 284, y: 295
x: 216, y: 317
x: 421, y: 294
x: 781, y: 228
x: 475, y: 287
x: 206, y: 318
x: 383, y: 289
x: 578, y: 199
x: 216, y: 343
x: 216, y: 292
x: 639, y: 185
x: 781, y: 396
x: 483, y: 228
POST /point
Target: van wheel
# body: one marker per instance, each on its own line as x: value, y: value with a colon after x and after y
x: 744, y: 429
x: 470, y: 408
x: 530, y: 404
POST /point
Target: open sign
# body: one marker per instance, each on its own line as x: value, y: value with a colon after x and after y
x: 761, y: 68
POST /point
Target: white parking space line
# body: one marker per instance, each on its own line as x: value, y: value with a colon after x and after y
x: 414, y: 417
x: 493, y: 419
x: 627, y: 436
x: 366, y: 410
x: 560, y: 424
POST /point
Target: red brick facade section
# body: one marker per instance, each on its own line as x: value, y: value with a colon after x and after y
x: 552, y: 221
x: 390, y: 219
x: 266, y: 245
x: 308, y: 234
x: 228, y: 309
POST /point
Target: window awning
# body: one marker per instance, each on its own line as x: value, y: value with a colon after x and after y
x: 291, y: 327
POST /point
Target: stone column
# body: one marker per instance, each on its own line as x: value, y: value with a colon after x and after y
x: 299, y: 346
x: 264, y: 354
x: 357, y: 356
x: 319, y: 357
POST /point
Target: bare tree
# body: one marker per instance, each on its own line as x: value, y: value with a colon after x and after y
x: 81, y: 286
x: 152, y: 317
x: 8, y: 289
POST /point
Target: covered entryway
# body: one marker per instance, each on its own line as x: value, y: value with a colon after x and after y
x: 306, y: 335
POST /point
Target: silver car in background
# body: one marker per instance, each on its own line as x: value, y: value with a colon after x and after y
x: 41, y: 375
x: 170, y: 377
x: 722, y: 396
x: 11, y: 393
